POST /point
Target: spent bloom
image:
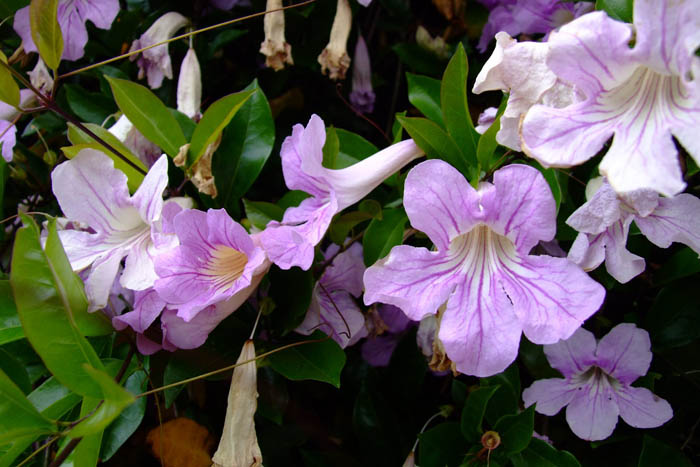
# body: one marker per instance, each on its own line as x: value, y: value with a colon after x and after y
x: 604, y: 222
x: 120, y: 225
x: 291, y: 242
x: 275, y: 47
x: 332, y: 309
x: 154, y: 63
x: 642, y: 96
x: 334, y: 59
x: 596, y: 388
x: 362, y: 96
x: 72, y: 16
x: 492, y: 289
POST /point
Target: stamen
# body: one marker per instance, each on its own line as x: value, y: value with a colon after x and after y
x: 225, y: 265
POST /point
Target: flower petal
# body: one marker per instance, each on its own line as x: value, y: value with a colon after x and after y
x: 598, y: 213
x: 625, y: 352
x: 148, y: 198
x: 377, y: 350
x: 593, y: 413
x: 641, y: 408
x: 573, y: 355
x: 139, y: 270
x: 8, y: 139
x: 337, y: 315
x: 302, y: 157
x: 550, y: 395
x: 101, y: 12
x: 675, y: 219
x: 346, y: 271
x: 147, y: 307
x: 101, y: 278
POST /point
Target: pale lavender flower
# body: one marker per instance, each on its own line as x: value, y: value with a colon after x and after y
x: 90, y: 190
x: 604, y: 222
x: 155, y: 63
x: 291, y: 242
x: 72, y: 16
x: 215, y: 261
x: 228, y: 4
x: 486, y: 119
x: 189, y: 86
x: 8, y: 139
x: 133, y: 139
x: 596, y: 388
x: 26, y: 99
x: 529, y: 17
x: 389, y: 325
x: 332, y: 309
x: 362, y: 96
x: 642, y: 95
x: 493, y: 289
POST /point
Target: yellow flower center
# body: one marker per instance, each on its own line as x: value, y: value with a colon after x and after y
x: 225, y: 265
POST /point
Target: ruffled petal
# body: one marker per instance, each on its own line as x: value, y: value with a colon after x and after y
x: 675, y: 219
x: 593, y: 413
x: 641, y: 408
x: 101, y: 12
x: 550, y: 395
x: 302, y: 158
x: 337, y: 315
x: 101, y: 278
x: 414, y: 279
x: 598, y: 213
x: 625, y: 352
x: 147, y: 307
x: 573, y: 355
x: 346, y: 271
x: 74, y: 31
x: 139, y: 270
x: 148, y: 198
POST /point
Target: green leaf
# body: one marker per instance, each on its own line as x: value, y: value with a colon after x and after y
x: 455, y: 109
x: 374, y: 422
x: 441, y: 446
x: 115, y: 397
x: 424, y: 94
x: 341, y: 225
x: 92, y: 107
x: 507, y: 398
x: 674, y: 319
x: 542, y: 454
x: 9, y: 7
x: 516, y: 431
x: 82, y: 140
x: 15, y: 370
x: 436, y: 143
x: 620, y: 10
x: 259, y: 213
x: 473, y: 412
x: 655, y: 453
x: 319, y: 361
x: 382, y: 235
x: 353, y: 148
x: 46, y: 32
x: 51, y: 303
x: 9, y: 90
x: 418, y: 59
x: 291, y: 291
x: 245, y: 147
x: 213, y: 122
x: 18, y: 417
x: 683, y: 263
x: 53, y: 399
x: 331, y: 148
x: 487, y: 142
x: 125, y: 425
x: 10, y: 325
x: 177, y: 369
x: 148, y: 114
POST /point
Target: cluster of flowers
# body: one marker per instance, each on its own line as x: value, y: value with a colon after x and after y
x: 480, y: 288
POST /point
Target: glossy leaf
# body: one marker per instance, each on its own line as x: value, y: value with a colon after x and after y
x: 674, y: 319
x: 125, y: 425
x: 259, y: 213
x: 177, y: 369
x: 506, y: 399
x: 245, y: 147
x: 213, y: 122
x: 18, y: 417
x: 516, y: 430
x: 424, y: 94
x: 331, y: 148
x: 320, y: 361
x: 92, y: 107
x: 53, y: 399
x: 10, y: 325
x: 83, y: 140
x: 655, y: 453
x: 51, y: 302
x: 441, y: 446
x: 46, y: 32
x: 455, y: 108
x: 148, y: 114
x: 436, y: 143
x: 15, y: 370
x: 542, y: 454
x: 473, y: 412
x: 291, y: 291
x: 620, y: 10
x: 9, y: 90
x: 382, y: 235
x: 342, y: 224
x: 683, y: 263
x: 352, y: 148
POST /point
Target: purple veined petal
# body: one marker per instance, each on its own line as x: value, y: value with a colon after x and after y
x: 346, y: 271
x: 574, y: 355
x: 8, y: 139
x: 148, y: 198
x: 675, y: 219
x: 641, y: 408
x: 302, y: 158
x: 625, y: 352
x: 225, y: 231
x: 146, y: 346
x: 667, y: 34
x: 600, y: 212
x: 619, y: 262
x: 549, y: 395
x: 588, y: 251
x: 82, y: 248
x: 101, y: 12
x: 552, y: 296
x: 337, y: 315
x: 523, y: 208
x: 479, y: 328
x: 377, y: 350
x: 22, y: 28
x: 440, y: 202
x: 101, y: 278
x: 416, y: 280
x: 486, y: 119
x: 362, y: 96
x: 394, y: 319
x: 147, y: 307
x: 593, y: 412
x: 74, y: 31
x: 139, y: 270
x: 189, y: 334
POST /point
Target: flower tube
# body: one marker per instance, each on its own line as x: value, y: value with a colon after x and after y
x: 334, y: 58
x: 275, y: 46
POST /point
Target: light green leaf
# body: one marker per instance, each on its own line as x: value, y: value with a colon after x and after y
x: 46, y: 32
x: 213, y: 122
x: 382, y: 235
x: 487, y: 142
x: 424, y: 93
x: 259, y: 213
x: 9, y: 90
x: 51, y: 303
x: 148, y: 114
x: 18, y: 417
x: 320, y: 361
x: 620, y: 10
x: 10, y: 325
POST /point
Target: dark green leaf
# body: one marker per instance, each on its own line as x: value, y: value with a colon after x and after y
x: 10, y: 326
x: 382, y: 235
x: 683, y: 263
x: 674, y: 319
x: 177, y: 369
x: 506, y: 400
x: 9, y: 7
x: 319, y: 361
x: 655, y: 453
x: 18, y: 417
x: 90, y: 107
x: 46, y: 32
x: 542, y: 454
x: 291, y: 291
x: 259, y: 213
x: 15, y: 370
x: 487, y: 142
x: 441, y: 446
x: 473, y: 412
x: 148, y: 114
x: 374, y: 423
x: 436, y: 143
x: 213, y: 122
x: 418, y: 59
x: 620, y: 10
x: 424, y: 93
x: 125, y: 425
x: 353, y: 148
x: 516, y: 431
x: 9, y: 90
x: 51, y: 302
x: 341, y: 225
